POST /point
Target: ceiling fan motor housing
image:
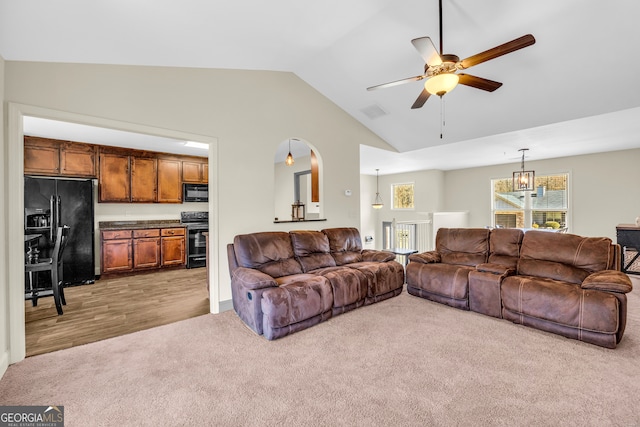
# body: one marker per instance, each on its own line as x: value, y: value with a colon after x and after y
x: 449, y: 65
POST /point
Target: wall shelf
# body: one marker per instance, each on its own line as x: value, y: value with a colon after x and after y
x: 300, y: 220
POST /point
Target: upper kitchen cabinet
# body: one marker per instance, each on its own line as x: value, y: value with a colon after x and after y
x: 41, y: 156
x: 78, y: 159
x: 195, y: 172
x: 169, y: 180
x: 114, y: 181
x: 144, y: 179
x: 51, y: 157
x: 124, y: 175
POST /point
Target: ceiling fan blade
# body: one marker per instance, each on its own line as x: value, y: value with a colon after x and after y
x: 497, y: 51
x: 397, y: 82
x: 427, y: 50
x: 422, y: 98
x: 478, y: 82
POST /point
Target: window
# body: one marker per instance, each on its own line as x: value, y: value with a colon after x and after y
x: 546, y: 207
x: 402, y: 196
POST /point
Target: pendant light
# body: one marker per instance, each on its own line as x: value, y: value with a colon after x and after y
x: 523, y: 180
x: 377, y: 203
x: 289, y: 159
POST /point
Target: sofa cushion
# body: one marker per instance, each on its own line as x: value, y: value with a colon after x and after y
x: 382, y: 277
x: 446, y: 280
x: 296, y: 301
x: 561, y: 303
x: 463, y: 246
x: 504, y: 246
x: 312, y: 249
x: 345, y: 244
x: 563, y: 256
x: 270, y: 252
x: 349, y: 287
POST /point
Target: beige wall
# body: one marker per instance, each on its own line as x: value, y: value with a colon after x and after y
x: 429, y: 197
x: 604, y: 190
x: 4, y: 288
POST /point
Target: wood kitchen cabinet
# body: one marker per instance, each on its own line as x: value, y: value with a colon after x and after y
x: 41, y: 156
x: 144, y: 179
x: 116, y: 251
x: 52, y: 157
x: 78, y: 159
x: 173, y: 246
x: 169, y: 181
x: 195, y: 172
x: 124, y: 175
x: 142, y: 249
x: 114, y: 181
x: 146, y: 248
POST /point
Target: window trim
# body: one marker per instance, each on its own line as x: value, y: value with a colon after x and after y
x: 542, y: 174
x: 393, y: 196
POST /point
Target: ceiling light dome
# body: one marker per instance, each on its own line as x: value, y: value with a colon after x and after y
x: 441, y: 84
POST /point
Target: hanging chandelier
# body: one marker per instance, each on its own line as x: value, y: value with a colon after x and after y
x: 289, y: 160
x: 377, y: 202
x: 523, y: 180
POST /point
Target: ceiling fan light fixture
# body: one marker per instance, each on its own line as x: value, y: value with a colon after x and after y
x: 441, y: 83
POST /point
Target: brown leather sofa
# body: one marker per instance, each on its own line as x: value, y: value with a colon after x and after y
x: 561, y: 283
x: 285, y: 282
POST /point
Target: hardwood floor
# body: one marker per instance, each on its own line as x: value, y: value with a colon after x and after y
x: 115, y: 306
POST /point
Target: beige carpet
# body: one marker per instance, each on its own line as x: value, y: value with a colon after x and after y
x: 402, y: 362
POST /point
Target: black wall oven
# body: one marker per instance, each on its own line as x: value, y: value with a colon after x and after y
x: 196, y: 223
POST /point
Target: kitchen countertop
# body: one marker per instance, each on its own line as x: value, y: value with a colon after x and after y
x: 132, y: 225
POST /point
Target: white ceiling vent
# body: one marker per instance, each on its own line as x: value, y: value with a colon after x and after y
x: 374, y: 111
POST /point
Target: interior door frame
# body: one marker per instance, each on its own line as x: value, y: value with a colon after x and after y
x: 15, y: 199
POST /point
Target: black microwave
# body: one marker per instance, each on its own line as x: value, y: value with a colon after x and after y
x: 195, y: 192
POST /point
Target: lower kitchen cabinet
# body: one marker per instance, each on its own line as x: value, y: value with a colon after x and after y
x: 142, y: 249
x: 117, y: 251
x: 146, y: 248
x: 173, y: 247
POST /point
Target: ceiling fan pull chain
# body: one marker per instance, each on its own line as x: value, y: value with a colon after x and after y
x: 441, y: 115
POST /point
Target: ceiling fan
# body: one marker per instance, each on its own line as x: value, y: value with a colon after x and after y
x: 440, y: 69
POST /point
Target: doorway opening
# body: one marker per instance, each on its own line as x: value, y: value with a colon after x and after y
x: 15, y: 216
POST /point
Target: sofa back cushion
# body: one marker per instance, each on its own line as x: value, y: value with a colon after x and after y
x: 312, y: 249
x: 463, y: 246
x: 270, y: 252
x: 564, y: 257
x: 345, y: 244
x: 504, y: 246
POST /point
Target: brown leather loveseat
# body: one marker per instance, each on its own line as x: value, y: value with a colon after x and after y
x: 285, y: 282
x: 561, y: 283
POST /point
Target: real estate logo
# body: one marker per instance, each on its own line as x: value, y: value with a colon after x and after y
x: 31, y: 416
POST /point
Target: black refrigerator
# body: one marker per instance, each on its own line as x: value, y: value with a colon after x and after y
x: 53, y: 202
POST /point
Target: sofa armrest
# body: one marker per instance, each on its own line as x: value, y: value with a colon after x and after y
x: 426, y: 257
x: 498, y: 269
x: 608, y: 280
x: 252, y: 279
x: 377, y: 256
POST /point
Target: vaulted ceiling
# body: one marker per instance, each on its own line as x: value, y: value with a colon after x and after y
x: 575, y: 87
